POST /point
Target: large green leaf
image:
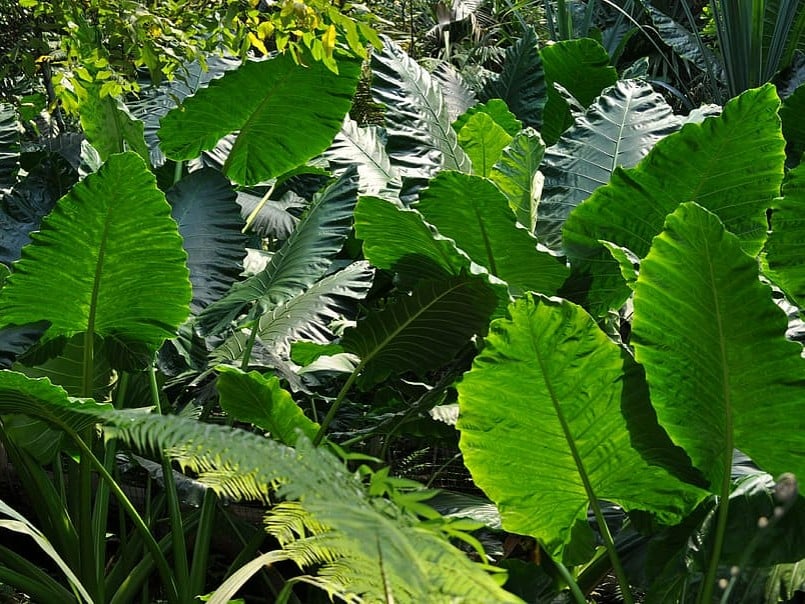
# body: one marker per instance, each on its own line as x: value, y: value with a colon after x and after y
x: 108, y: 260
x: 420, y: 139
x: 308, y: 315
x: 203, y: 204
x: 521, y: 83
x: 269, y: 104
x: 731, y: 164
x: 483, y: 140
x: 582, y: 68
x: 109, y: 125
x: 516, y: 174
x: 300, y: 262
x: 542, y: 426
x: 364, y: 146
x: 9, y: 147
x: 259, y: 400
x: 474, y: 213
x: 784, y: 247
x: 399, y: 239
x: 686, y: 44
x: 420, y: 332
x: 617, y: 130
x: 793, y: 127
x: 721, y: 373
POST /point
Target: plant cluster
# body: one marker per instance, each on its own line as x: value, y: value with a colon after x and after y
x: 583, y: 304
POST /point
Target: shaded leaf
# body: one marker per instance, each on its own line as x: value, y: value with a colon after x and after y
x: 300, y: 262
x: 521, y: 83
x: 203, y: 204
x: 420, y: 332
x: 9, y: 147
x: 731, y: 164
x: 420, y: 139
x: 618, y: 129
x: 458, y: 96
x: 783, y: 255
x: 268, y: 104
x: 793, y: 128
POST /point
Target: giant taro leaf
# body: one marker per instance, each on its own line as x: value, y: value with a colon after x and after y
x: 269, y: 104
x: 108, y: 259
x: 721, y: 373
x: 784, y: 246
x: 420, y: 139
x: 483, y: 140
x: 9, y: 147
x: 399, y: 239
x: 517, y: 175
x: 521, y: 83
x: 731, y: 164
x: 302, y: 259
x: 421, y: 331
x: 582, y: 68
x: 109, y: 125
x: 542, y: 428
x: 793, y: 127
x: 203, y: 204
x: 617, y: 130
x: 476, y: 215
x: 259, y: 400
x: 364, y: 146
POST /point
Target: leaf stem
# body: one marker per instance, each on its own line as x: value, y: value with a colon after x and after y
x: 609, y: 543
x: 337, y: 403
x: 253, y: 215
x: 575, y: 590
x: 709, y: 583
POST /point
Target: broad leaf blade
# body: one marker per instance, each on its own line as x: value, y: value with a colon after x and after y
x: 483, y: 140
x: 269, y: 104
x: 9, y: 147
x: 308, y: 315
x: 365, y: 147
x: 784, y: 246
x: 793, y: 127
x: 259, y: 400
x: 721, y: 373
x: 522, y: 82
x: 399, y: 239
x: 618, y: 129
x: 475, y: 214
x: 300, y: 262
x: 203, y: 204
x: 420, y: 332
x: 420, y: 139
x: 582, y: 68
x: 731, y: 164
x: 109, y: 125
x: 517, y: 174
x: 126, y: 277
x: 548, y: 372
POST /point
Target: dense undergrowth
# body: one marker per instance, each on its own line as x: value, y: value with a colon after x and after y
x: 509, y: 322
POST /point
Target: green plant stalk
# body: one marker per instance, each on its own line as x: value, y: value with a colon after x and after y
x: 708, y: 585
x: 29, y: 578
x: 201, y: 549
x: 180, y: 564
x: 337, y: 403
x: 177, y: 171
x: 247, y: 349
x: 575, y: 590
x: 100, y: 515
x: 253, y: 215
x: 609, y: 543
x: 90, y: 566
x: 150, y: 543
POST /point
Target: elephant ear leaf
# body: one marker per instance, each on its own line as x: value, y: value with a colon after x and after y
x: 721, y: 373
x: 204, y: 206
x: 9, y: 147
x: 618, y: 129
x: 420, y: 139
x: 127, y: 277
x: 268, y: 103
x: 474, y: 213
x: 259, y: 400
x: 688, y: 165
x: 784, y: 247
x: 547, y: 372
x: 420, y: 332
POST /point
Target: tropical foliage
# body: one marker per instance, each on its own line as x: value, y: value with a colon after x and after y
x: 508, y: 339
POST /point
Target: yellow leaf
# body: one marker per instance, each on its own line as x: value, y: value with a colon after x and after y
x: 328, y: 41
x: 257, y: 43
